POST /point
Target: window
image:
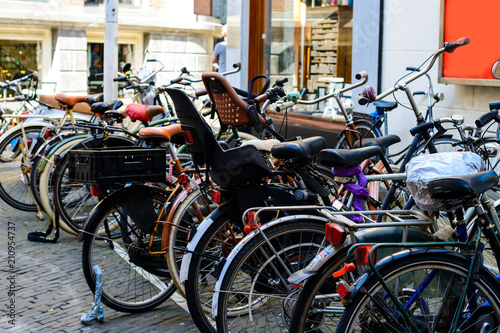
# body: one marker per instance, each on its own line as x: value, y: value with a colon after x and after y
x: 16, y: 57
x: 95, y: 53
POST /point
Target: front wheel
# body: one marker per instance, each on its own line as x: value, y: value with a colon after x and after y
x: 428, y: 286
x: 124, y: 240
x: 255, y: 294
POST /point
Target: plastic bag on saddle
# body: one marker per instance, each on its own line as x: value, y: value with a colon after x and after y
x: 422, y: 169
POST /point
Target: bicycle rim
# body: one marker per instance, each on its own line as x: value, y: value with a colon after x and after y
x: 255, y: 293
x: 135, y: 273
x: 429, y: 286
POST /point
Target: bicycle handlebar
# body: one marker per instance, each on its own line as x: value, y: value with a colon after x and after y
x: 450, y: 47
x: 487, y: 117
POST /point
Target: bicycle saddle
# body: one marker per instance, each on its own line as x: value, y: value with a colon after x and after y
x: 382, y: 141
x: 101, y: 108
x: 262, y: 145
x: 462, y: 187
x: 165, y: 132
x: 347, y: 158
x: 70, y: 101
x: 142, y: 112
x: 304, y: 148
x: 385, y: 106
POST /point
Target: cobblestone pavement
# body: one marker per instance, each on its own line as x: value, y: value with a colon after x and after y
x: 51, y: 293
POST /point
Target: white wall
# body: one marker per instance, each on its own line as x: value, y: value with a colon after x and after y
x: 411, y: 34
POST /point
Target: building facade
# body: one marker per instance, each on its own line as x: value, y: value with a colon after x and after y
x: 63, y: 39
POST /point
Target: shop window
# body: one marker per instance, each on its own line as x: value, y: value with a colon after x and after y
x: 18, y: 57
x: 312, y: 46
x: 135, y: 3
x: 95, y: 62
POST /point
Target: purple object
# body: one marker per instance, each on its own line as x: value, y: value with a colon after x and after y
x: 369, y: 93
x: 359, y: 190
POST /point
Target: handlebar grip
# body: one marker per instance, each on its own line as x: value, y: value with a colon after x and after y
x: 151, y: 60
x: 415, y: 93
x: 237, y: 65
x: 280, y: 82
x: 261, y: 98
x: 184, y: 70
x: 452, y: 46
x: 201, y: 93
x: 361, y: 75
x: 486, y: 118
x: 413, y: 69
x: 120, y: 79
x: 176, y: 80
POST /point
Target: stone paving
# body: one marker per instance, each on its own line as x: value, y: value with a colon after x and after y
x: 50, y: 292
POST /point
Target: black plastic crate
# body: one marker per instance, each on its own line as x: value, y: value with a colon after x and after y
x: 117, y: 165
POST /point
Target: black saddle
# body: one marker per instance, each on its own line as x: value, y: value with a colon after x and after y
x: 455, y: 190
x: 301, y: 149
x: 382, y: 141
x: 102, y: 107
x: 385, y: 106
x: 347, y: 158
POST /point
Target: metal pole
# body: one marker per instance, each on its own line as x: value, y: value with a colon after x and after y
x: 111, y: 50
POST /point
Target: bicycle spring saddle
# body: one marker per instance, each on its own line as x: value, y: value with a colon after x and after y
x: 383, y: 142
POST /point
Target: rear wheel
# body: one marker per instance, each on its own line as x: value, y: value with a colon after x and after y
x: 15, y: 169
x: 428, y: 287
x: 365, y: 129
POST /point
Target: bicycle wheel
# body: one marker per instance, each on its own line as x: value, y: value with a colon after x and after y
x: 318, y: 307
x: 15, y: 170
x: 428, y: 285
x: 187, y: 216
x: 366, y: 131
x: 73, y: 200
x: 443, y: 145
x: 122, y: 238
x: 214, y: 245
x: 255, y: 294
x: 45, y: 186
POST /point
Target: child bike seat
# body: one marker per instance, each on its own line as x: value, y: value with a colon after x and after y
x: 228, y: 168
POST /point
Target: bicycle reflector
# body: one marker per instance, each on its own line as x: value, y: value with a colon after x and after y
x: 48, y: 133
x: 183, y: 179
x: 188, y: 137
x: 215, y: 196
x: 362, y: 253
x: 95, y: 191
x: 335, y: 233
x: 343, y: 289
x: 250, y: 223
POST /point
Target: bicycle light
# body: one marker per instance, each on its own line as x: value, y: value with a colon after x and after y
x: 335, y: 233
x: 362, y: 253
x: 188, y: 137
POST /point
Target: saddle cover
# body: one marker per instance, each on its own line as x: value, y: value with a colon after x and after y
x: 422, y: 169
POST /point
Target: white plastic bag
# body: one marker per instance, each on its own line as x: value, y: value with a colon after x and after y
x: 424, y: 168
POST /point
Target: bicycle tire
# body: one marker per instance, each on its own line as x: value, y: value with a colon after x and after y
x: 133, y: 280
x: 45, y: 186
x: 256, y: 271
x: 15, y: 173
x: 366, y: 130
x: 443, y: 145
x: 411, y: 270
x: 184, y: 222
x: 203, y: 266
x: 72, y: 200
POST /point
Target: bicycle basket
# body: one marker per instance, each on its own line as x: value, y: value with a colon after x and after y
x: 422, y: 169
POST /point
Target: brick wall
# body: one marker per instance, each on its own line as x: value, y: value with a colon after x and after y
x: 203, y: 7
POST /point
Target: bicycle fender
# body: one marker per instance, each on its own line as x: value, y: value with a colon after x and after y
x: 44, y: 161
x: 375, y: 235
x: 250, y: 237
x: 18, y: 128
x: 389, y: 259
x: 202, y: 228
